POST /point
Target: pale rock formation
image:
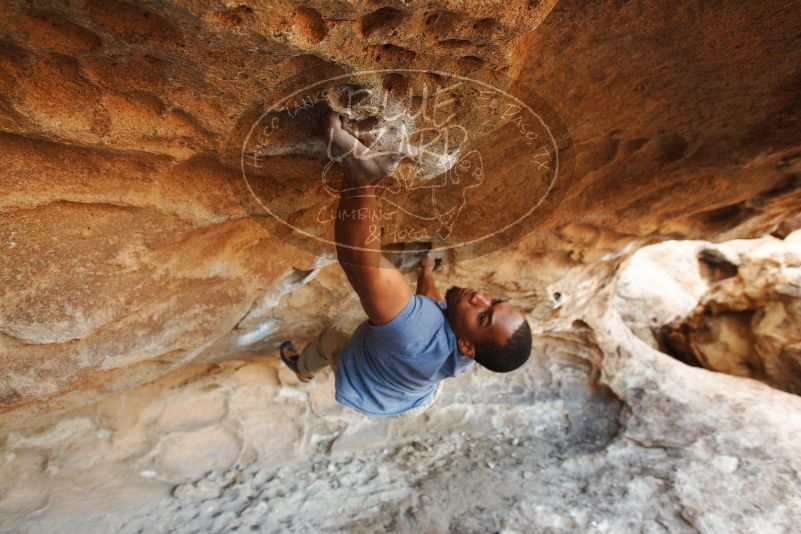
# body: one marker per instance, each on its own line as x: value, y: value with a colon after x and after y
x: 749, y: 321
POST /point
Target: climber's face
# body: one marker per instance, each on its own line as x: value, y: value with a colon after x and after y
x: 478, y: 318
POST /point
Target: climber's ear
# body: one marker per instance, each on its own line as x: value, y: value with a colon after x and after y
x: 466, y: 348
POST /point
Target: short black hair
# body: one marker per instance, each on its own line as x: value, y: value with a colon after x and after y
x: 502, y: 359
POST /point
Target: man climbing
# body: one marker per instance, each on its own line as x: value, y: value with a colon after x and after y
x: 395, y: 361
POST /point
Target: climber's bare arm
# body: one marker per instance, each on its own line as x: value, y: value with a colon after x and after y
x: 425, y: 279
x: 381, y: 287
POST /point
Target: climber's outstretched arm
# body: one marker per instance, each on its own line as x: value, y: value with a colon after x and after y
x: 381, y: 287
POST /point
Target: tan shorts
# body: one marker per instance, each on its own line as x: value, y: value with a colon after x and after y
x: 323, y: 350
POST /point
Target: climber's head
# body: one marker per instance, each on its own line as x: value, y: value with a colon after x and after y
x: 488, y: 329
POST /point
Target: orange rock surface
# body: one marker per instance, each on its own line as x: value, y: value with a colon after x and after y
x: 131, y: 247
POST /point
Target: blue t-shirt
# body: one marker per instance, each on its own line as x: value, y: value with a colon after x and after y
x: 394, y: 367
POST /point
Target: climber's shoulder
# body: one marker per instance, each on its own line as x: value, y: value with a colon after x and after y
x: 383, y: 291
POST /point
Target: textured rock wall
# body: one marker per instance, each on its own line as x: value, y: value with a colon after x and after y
x: 130, y: 247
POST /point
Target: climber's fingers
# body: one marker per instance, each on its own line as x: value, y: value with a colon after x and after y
x: 332, y: 120
x: 408, y: 151
x: 391, y: 161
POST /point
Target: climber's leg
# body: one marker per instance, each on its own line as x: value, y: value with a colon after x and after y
x: 322, y: 351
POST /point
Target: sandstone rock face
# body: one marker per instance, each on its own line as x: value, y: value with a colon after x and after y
x: 120, y: 124
x: 144, y: 287
x: 749, y: 322
x: 131, y: 241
